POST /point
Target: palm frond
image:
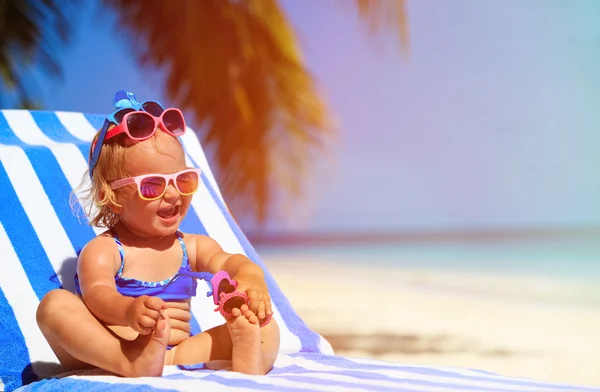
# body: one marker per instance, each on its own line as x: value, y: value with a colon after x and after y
x: 386, y: 14
x: 30, y: 34
x: 235, y: 66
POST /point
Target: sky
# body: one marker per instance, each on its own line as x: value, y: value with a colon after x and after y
x: 492, y: 119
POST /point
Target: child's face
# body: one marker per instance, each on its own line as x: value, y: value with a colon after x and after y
x: 161, y: 155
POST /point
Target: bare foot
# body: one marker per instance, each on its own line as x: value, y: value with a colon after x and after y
x: 147, y: 352
x: 245, y: 337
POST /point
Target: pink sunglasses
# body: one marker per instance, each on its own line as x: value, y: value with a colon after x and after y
x: 154, y: 186
x: 141, y: 125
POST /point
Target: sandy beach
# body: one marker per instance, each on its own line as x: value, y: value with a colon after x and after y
x: 520, y: 326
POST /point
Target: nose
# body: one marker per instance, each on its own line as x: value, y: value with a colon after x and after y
x: 171, y: 192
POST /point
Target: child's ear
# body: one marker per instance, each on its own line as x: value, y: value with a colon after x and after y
x: 116, y: 209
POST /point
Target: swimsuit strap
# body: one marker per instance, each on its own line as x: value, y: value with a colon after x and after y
x: 121, y: 252
x: 185, y: 261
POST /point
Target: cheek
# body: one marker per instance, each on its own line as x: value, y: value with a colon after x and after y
x: 185, y: 204
x: 136, y: 207
x: 125, y: 195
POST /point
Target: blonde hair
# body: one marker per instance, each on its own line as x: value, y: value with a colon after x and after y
x: 97, y: 197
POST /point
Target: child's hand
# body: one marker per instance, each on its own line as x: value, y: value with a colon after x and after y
x: 255, y: 286
x: 144, y: 312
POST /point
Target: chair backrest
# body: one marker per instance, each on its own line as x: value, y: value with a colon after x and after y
x: 43, y: 157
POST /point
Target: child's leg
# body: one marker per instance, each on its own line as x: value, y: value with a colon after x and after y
x: 79, y: 340
x: 251, y: 349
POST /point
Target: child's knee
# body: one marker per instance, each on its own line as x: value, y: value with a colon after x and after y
x: 53, y: 303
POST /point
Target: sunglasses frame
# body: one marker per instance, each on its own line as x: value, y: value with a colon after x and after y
x: 167, y: 177
x: 122, y: 127
x: 135, y: 106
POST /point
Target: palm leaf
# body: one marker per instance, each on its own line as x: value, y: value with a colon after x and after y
x: 236, y: 69
x: 30, y: 34
x: 385, y: 14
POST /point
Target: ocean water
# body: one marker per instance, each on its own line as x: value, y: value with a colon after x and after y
x: 571, y: 263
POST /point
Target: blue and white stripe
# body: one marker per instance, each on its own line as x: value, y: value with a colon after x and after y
x: 310, y: 372
x: 43, y: 158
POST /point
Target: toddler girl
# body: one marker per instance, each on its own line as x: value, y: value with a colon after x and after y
x: 129, y: 316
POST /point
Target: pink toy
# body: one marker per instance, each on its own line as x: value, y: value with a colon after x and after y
x: 221, y: 283
x: 230, y: 298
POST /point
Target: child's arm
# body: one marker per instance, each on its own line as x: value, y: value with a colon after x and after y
x: 211, y: 257
x: 250, y: 277
x: 98, y: 264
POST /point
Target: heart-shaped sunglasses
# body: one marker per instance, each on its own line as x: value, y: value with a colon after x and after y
x: 222, y: 289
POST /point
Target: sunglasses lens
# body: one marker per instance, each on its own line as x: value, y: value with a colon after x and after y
x: 121, y: 113
x: 140, y: 125
x: 152, y: 187
x: 187, y: 183
x: 174, y: 122
x: 153, y: 108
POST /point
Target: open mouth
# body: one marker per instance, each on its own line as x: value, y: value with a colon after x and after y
x: 168, y: 212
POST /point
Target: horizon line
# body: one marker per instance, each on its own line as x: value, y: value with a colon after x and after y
x: 412, y: 236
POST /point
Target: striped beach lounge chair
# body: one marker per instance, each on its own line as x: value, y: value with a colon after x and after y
x: 43, y: 156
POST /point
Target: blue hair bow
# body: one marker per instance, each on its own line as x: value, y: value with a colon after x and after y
x: 125, y: 100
